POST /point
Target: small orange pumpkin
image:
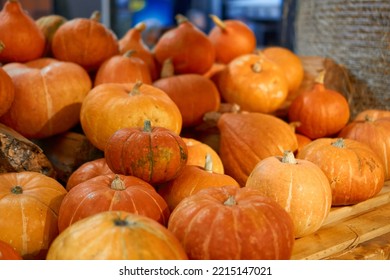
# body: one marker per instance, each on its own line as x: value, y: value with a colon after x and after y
x: 7, y: 92
x: 48, y: 25
x: 372, y: 114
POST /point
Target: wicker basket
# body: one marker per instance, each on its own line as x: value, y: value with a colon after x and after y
x: 355, y: 34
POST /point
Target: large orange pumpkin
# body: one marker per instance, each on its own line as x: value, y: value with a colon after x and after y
x: 85, y: 41
x: 116, y: 235
x: 298, y: 185
x: 21, y: 36
x: 110, y: 107
x: 354, y: 170
x: 153, y: 153
x: 189, y: 48
x: 29, y: 206
x: 112, y: 192
x: 7, y: 91
x: 48, y: 96
x: 247, y: 138
x: 232, y: 223
x: 254, y: 82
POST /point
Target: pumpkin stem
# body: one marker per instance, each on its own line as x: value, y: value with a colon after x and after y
x: 339, y: 143
x: 180, y: 19
x: 17, y: 190
x: 230, y: 201
x: 135, y: 89
x: 368, y: 118
x: 117, y: 184
x: 147, y: 126
x: 167, y: 69
x: 96, y: 16
x: 2, y: 46
x: 120, y: 223
x: 320, y: 77
x: 288, y: 157
x: 256, y: 67
x: 218, y: 22
x: 129, y: 53
x: 208, y: 166
x: 141, y: 26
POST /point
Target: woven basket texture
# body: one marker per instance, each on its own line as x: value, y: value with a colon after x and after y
x: 355, y: 34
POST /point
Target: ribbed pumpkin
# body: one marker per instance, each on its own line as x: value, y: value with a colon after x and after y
x: 298, y: 185
x: 230, y: 223
x: 7, y: 91
x: 48, y: 96
x: 247, y: 138
x: 153, y: 153
x: 320, y: 111
x: 189, y: 48
x: 354, y: 170
x: 194, y: 94
x: 373, y: 132
x: 110, y: 107
x: 231, y: 38
x: 191, y: 180
x: 88, y: 170
x: 85, y: 41
x: 7, y: 252
x: 132, y: 40
x: 29, y: 206
x: 112, y: 193
x: 116, y: 235
x: 20, y: 35
x: 253, y: 82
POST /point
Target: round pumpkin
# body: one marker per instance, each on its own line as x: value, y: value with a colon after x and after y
x: 125, y: 68
x: 116, y: 235
x: 197, y: 154
x: 85, y: 41
x: 231, y: 38
x: 7, y: 252
x: 88, y: 170
x: 153, y: 153
x: 7, y: 92
x: 354, y: 170
x: 254, y: 82
x: 29, y: 203
x: 321, y: 112
x: 373, y: 132
x: 189, y: 48
x: 247, y: 138
x: 191, y: 180
x: 110, y: 107
x: 372, y: 114
x: 21, y: 36
x: 298, y: 185
x: 230, y: 223
x: 48, y: 96
x: 108, y: 193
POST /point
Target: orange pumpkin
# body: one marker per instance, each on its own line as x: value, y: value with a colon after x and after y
x: 320, y: 111
x: 7, y: 92
x: 132, y: 40
x: 189, y: 48
x: 85, y: 41
x: 253, y: 82
x: 48, y: 96
x: 354, y: 170
x: 29, y: 203
x: 191, y: 180
x: 88, y: 170
x: 373, y: 132
x: 108, y: 193
x: 193, y: 94
x: 48, y: 25
x: 124, y: 68
x: 154, y: 154
x: 22, y: 38
x: 231, y: 38
x: 372, y: 114
x: 247, y: 138
x: 7, y: 252
x: 141, y: 238
x: 298, y: 185
x: 230, y: 223
x: 197, y: 152
x: 110, y: 107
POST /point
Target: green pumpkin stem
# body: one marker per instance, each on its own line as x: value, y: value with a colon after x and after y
x: 288, y: 157
x: 230, y: 201
x: 256, y: 67
x: 17, y: 190
x: 117, y: 184
x: 147, y: 126
x: 96, y: 16
x: 141, y: 26
x: 180, y: 19
x: 129, y: 53
x: 167, y: 69
x: 135, y: 90
x: 2, y: 46
x: 208, y: 166
x: 339, y: 143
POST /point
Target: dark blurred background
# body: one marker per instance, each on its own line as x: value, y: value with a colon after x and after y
x: 271, y: 20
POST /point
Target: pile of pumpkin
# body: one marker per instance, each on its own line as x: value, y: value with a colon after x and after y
x: 158, y: 194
